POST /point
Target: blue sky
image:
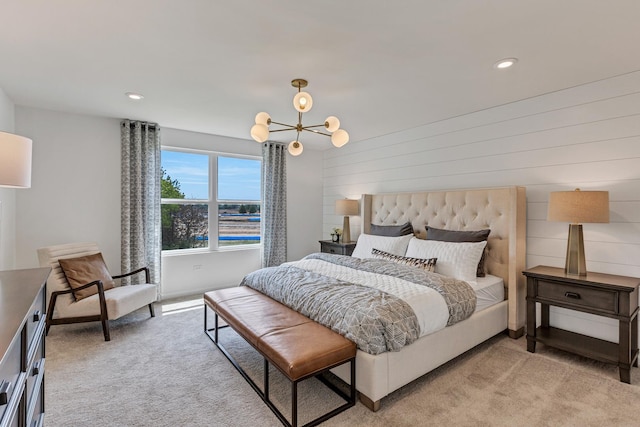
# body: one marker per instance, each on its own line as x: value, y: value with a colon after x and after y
x: 239, y: 179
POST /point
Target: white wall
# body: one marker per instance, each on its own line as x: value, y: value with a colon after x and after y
x: 7, y: 195
x: 75, y: 184
x: 75, y: 196
x: 304, y: 204
x: 587, y: 137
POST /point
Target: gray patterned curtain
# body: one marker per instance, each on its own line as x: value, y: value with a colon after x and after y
x: 274, y: 200
x: 140, y: 198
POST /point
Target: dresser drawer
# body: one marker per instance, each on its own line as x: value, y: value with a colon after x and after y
x: 35, y: 375
x: 35, y: 318
x: 578, y: 296
x: 10, y: 377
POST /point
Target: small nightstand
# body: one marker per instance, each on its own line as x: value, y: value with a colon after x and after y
x: 337, y: 248
x: 596, y: 293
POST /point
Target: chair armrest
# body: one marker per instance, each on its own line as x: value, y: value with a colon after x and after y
x: 55, y: 294
x: 146, y: 274
x: 88, y: 285
x: 103, y: 304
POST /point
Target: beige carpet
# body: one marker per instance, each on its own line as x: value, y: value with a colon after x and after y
x: 164, y: 371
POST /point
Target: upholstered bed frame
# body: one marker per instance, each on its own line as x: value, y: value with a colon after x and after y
x: 503, y: 210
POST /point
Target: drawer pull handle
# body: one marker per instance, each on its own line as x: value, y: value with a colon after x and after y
x: 36, y: 368
x: 36, y: 316
x: 4, y: 392
x: 573, y: 295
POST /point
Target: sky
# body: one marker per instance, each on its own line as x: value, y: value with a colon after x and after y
x: 238, y: 179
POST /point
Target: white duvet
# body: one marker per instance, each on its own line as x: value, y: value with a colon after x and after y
x: 428, y: 305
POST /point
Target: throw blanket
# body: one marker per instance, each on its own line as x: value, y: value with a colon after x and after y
x: 372, y: 302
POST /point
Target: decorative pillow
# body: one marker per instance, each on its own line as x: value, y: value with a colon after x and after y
x: 393, y: 245
x: 86, y: 269
x: 459, y: 260
x: 426, y: 264
x: 461, y: 236
x: 392, y: 230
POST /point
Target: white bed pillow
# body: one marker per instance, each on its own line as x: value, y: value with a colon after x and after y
x: 393, y: 245
x: 455, y: 259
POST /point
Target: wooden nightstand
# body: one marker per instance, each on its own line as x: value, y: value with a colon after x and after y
x: 596, y: 293
x: 337, y: 248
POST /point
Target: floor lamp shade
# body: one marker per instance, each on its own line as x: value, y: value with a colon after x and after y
x: 15, y: 161
x: 346, y: 207
x: 577, y: 207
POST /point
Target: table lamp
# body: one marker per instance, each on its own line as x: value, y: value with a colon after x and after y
x: 577, y: 207
x: 15, y: 161
x: 346, y: 207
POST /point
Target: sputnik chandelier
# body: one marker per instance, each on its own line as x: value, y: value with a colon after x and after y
x: 302, y: 102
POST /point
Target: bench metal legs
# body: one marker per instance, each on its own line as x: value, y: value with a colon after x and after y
x: 350, y: 398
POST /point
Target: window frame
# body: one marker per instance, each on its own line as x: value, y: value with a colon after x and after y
x: 212, y: 202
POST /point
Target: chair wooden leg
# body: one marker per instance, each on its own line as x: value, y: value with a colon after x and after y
x: 49, y: 318
x: 153, y: 313
x: 105, y: 329
x: 104, y: 314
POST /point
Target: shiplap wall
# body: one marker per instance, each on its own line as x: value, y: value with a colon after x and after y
x: 586, y: 136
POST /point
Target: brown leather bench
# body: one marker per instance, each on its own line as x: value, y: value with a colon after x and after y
x: 299, y: 347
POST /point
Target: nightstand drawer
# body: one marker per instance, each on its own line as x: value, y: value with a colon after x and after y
x: 579, y: 296
x: 330, y: 247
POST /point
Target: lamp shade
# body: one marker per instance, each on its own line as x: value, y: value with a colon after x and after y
x: 346, y: 207
x: 578, y: 207
x: 15, y: 161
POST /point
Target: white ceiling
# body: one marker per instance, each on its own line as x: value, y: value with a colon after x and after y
x: 380, y: 66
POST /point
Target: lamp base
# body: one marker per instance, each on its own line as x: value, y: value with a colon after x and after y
x: 575, y: 263
x: 346, y: 232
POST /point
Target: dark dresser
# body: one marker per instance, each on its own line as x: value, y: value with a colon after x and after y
x: 22, y: 326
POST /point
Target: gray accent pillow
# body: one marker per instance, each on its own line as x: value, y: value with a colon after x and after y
x: 392, y: 230
x: 473, y: 236
x: 426, y: 264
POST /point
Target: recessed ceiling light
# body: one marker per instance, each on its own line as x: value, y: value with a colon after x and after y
x: 134, y: 96
x: 505, y: 63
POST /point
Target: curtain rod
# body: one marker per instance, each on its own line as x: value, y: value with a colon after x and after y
x: 131, y: 122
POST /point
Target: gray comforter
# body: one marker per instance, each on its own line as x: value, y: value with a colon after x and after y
x: 376, y: 321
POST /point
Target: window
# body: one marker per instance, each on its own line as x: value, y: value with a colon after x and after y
x: 209, y: 200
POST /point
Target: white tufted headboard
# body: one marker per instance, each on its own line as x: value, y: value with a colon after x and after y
x: 503, y: 210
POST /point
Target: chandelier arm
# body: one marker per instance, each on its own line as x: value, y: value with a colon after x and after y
x: 282, y: 130
x: 316, y: 131
x: 283, y: 124
x: 313, y: 126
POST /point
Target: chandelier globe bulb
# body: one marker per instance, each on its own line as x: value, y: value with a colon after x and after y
x: 259, y: 132
x: 332, y: 123
x: 295, y: 148
x: 339, y: 138
x: 263, y: 118
x: 302, y: 102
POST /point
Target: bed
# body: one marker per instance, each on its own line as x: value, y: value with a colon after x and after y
x: 502, y: 211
